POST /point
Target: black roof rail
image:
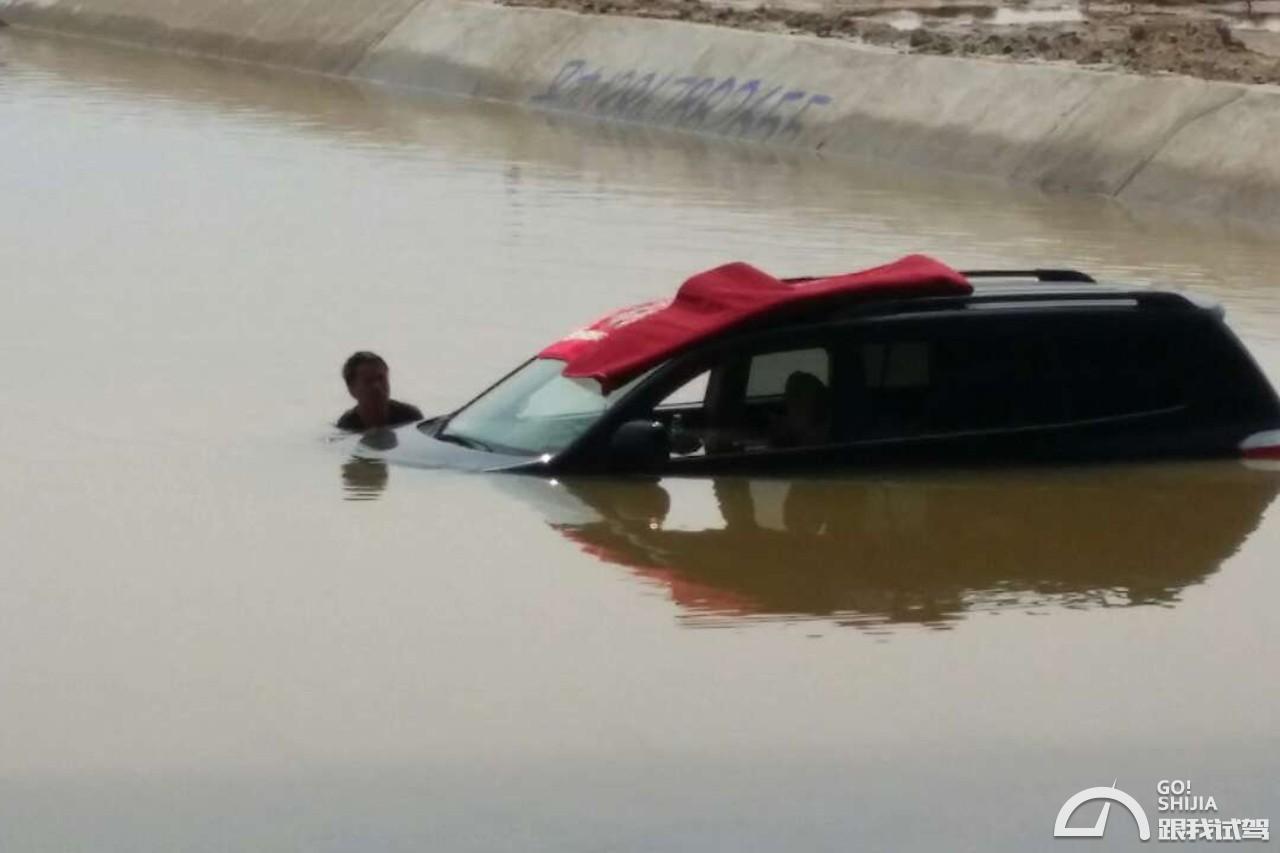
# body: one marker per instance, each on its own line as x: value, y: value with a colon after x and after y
x: 1039, y: 275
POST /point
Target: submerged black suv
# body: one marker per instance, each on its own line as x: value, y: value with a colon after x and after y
x: 905, y: 364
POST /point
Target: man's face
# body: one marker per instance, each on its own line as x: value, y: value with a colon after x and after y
x: 371, y: 384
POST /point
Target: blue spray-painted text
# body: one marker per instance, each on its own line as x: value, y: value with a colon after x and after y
x: 747, y: 108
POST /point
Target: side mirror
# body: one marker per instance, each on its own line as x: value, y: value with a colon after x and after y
x: 640, y: 446
x: 683, y: 440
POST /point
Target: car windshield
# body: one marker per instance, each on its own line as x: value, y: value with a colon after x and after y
x: 533, y: 411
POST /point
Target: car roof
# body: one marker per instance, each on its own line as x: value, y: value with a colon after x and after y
x: 1034, y: 292
x: 722, y: 304
x: 625, y: 342
x: 1021, y: 294
x: 1038, y: 284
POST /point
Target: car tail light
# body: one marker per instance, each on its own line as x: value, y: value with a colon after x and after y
x: 1262, y: 445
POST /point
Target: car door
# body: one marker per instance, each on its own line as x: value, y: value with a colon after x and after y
x: 751, y: 407
x: 967, y: 386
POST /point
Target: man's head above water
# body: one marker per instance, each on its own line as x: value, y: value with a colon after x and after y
x: 368, y: 381
x: 368, y: 378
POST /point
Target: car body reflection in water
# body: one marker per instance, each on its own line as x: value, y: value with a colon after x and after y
x: 922, y: 550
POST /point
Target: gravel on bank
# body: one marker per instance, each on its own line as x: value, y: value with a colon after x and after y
x: 1184, y: 41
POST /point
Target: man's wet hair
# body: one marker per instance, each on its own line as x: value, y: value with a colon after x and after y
x: 352, y: 364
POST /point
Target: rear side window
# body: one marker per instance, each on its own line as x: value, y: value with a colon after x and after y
x: 1014, y: 373
x: 951, y: 380
x: 900, y: 364
x: 1112, y: 366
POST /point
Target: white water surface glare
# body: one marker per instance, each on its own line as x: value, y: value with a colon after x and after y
x: 218, y: 633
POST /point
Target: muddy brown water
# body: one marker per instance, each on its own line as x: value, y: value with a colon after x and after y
x: 220, y: 633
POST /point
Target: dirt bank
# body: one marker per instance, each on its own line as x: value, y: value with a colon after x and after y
x: 1191, y: 41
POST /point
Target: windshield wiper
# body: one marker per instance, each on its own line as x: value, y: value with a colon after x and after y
x: 464, y: 441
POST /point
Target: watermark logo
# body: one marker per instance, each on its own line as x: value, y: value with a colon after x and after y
x: 1109, y: 795
x: 1173, y: 796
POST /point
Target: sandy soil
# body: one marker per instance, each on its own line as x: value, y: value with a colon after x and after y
x: 1187, y: 40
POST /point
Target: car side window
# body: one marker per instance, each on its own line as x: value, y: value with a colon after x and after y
x: 684, y: 412
x: 769, y: 372
x: 1118, y: 367
x: 898, y: 364
x: 978, y: 377
x: 950, y: 380
x: 893, y: 388
x: 751, y: 403
x: 691, y: 394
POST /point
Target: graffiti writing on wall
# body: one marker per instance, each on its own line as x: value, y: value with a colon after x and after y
x: 749, y: 108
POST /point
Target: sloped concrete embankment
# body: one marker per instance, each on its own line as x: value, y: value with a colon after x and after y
x: 316, y: 35
x: 1190, y: 144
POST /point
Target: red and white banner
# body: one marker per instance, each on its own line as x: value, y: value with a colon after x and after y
x: 620, y: 345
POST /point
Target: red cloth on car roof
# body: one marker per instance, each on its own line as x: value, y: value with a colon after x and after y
x: 618, y: 346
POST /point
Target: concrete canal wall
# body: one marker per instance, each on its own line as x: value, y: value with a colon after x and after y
x: 316, y: 35
x: 1198, y: 146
